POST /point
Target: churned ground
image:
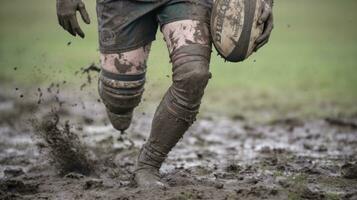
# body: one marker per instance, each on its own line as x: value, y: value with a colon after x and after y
x: 281, y: 125
x: 53, y: 148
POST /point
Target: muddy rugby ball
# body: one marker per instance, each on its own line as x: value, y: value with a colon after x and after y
x: 234, y: 27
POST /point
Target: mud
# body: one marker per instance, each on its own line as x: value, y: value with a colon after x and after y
x: 64, y: 148
x: 86, y: 71
x: 131, y: 62
x: 185, y: 32
x: 219, y: 157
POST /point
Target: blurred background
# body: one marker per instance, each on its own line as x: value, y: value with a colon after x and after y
x: 309, y: 68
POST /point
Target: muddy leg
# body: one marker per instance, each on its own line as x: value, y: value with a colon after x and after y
x: 121, y: 84
x: 189, y: 45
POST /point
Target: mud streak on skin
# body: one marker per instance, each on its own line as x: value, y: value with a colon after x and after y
x: 130, y: 62
x: 185, y: 32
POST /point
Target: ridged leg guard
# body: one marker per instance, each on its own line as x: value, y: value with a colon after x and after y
x: 121, y: 94
x: 176, y: 112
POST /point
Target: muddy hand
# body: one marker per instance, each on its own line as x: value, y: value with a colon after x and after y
x: 266, y: 18
x: 66, y: 13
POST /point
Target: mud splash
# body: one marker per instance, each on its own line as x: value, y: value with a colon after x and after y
x: 62, y: 146
x: 87, y: 71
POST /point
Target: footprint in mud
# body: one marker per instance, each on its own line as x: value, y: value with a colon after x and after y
x: 312, y: 193
x: 258, y: 192
x: 93, y: 183
x: 349, y: 170
x: 13, y: 172
x: 13, y: 188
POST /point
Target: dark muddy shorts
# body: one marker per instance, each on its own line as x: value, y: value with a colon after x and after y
x: 125, y: 25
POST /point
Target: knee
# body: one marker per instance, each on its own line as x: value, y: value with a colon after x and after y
x: 119, y: 92
x: 191, y: 72
x: 184, y: 96
x: 195, y: 75
x: 121, y: 82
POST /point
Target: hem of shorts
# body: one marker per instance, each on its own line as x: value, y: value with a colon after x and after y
x: 126, y: 49
x: 184, y: 18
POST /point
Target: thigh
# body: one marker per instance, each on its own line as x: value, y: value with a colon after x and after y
x: 177, y: 10
x: 185, y: 22
x: 128, y: 63
x: 186, y: 32
x: 125, y: 25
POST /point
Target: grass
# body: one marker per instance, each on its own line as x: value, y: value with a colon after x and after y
x: 309, y: 68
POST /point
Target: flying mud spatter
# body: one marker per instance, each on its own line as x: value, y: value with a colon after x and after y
x: 63, y: 146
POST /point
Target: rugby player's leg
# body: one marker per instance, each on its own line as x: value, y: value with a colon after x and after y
x: 121, y: 84
x: 189, y: 46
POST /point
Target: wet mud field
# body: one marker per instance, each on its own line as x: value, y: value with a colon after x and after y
x: 53, y: 149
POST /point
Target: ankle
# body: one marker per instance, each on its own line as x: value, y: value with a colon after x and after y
x: 150, y: 158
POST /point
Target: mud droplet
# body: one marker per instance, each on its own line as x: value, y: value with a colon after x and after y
x: 82, y: 86
x: 87, y: 70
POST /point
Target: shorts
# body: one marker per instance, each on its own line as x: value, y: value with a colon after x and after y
x: 125, y: 25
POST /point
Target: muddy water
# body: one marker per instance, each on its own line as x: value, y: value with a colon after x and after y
x: 219, y: 157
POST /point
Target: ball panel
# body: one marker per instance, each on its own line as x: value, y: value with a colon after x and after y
x: 226, y: 24
x: 241, y: 49
x: 234, y: 27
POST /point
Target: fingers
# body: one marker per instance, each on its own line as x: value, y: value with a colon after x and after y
x: 264, y: 38
x: 84, y: 13
x: 267, y: 30
x: 265, y: 14
x: 71, y: 25
x: 67, y: 26
x: 66, y: 12
x: 260, y: 45
x: 59, y: 20
x: 266, y: 18
x: 75, y: 27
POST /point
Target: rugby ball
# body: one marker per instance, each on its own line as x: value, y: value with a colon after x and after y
x: 234, y: 27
